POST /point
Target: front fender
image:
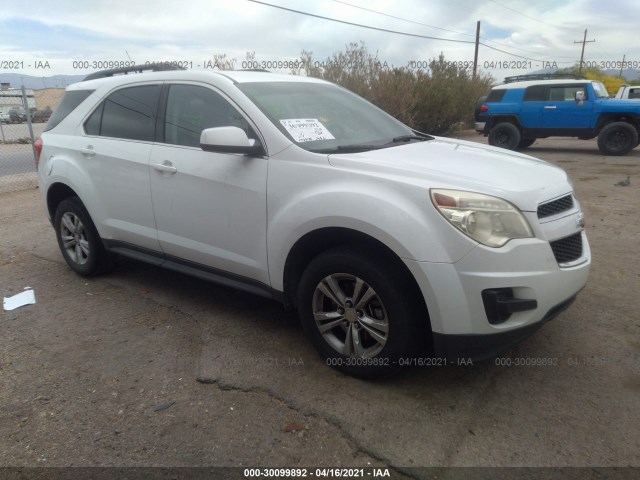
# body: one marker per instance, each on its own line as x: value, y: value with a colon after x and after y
x: 399, y: 216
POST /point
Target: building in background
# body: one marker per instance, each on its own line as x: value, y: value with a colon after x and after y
x: 11, y: 98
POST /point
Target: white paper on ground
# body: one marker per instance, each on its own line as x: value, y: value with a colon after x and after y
x: 21, y: 299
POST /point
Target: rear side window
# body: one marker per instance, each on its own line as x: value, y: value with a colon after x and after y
x: 495, y: 95
x: 536, y: 93
x: 68, y: 104
x: 129, y: 113
x: 634, y: 93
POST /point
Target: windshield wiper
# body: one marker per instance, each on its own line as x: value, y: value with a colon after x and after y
x: 355, y: 148
x: 408, y: 138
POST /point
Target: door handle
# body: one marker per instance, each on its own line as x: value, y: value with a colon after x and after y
x: 88, y: 151
x: 165, y: 167
x: 550, y: 107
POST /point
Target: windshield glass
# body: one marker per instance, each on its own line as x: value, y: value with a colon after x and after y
x: 601, y: 91
x: 325, y: 118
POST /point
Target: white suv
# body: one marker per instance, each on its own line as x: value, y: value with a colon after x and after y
x: 396, y: 248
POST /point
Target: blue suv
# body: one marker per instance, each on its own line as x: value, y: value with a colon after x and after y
x: 515, y: 114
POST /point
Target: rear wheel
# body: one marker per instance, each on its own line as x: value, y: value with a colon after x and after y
x: 525, y: 143
x: 617, y: 138
x: 505, y: 135
x: 79, y: 240
x: 358, y: 311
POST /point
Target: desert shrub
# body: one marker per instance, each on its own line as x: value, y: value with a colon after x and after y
x: 438, y: 100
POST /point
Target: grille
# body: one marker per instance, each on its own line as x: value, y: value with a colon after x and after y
x: 556, y: 206
x: 567, y: 249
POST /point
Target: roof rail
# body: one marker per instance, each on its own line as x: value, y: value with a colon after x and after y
x: 543, y: 76
x: 156, y: 67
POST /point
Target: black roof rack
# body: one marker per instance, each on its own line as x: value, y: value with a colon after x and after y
x: 156, y: 67
x: 543, y: 76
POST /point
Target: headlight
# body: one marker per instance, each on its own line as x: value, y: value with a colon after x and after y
x: 486, y: 219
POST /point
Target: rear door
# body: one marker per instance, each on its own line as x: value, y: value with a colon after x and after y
x: 116, y: 150
x: 210, y: 208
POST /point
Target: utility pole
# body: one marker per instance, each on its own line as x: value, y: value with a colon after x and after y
x: 583, y: 42
x: 622, y: 66
x: 475, y: 55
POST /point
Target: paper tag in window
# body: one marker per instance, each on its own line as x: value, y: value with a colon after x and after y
x: 306, y: 129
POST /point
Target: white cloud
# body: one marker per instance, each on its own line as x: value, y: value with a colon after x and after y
x: 195, y: 30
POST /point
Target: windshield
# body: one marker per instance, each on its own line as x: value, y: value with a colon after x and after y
x: 600, y: 89
x: 326, y: 118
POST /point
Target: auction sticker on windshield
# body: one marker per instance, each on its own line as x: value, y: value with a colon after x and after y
x: 306, y: 129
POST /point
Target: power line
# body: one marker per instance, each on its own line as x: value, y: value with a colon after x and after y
x: 526, y: 16
x: 400, y: 18
x: 360, y: 25
x: 431, y: 26
x: 513, y: 54
x: 415, y: 35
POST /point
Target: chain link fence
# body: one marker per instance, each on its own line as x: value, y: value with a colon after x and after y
x: 23, y: 117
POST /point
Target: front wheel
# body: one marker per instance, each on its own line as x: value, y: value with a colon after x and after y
x: 617, y: 138
x: 79, y: 240
x: 505, y: 135
x: 358, y: 312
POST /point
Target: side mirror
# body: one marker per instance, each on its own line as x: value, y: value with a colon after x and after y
x: 580, y: 96
x: 229, y: 140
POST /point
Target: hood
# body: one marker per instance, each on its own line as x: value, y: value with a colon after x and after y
x: 621, y: 105
x: 462, y: 165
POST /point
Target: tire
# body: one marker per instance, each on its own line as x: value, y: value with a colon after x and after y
x: 617, y: 138
x: 525, y: 143
x: 359, y: 311
x: 505, y: 135
x: 78, y: 239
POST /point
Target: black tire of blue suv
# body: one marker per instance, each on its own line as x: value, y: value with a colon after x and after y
x: 617, y: 138
x: 79, y: 241
x: 505, y: 135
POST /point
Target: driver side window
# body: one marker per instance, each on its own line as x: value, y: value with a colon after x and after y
x: 191, y: 109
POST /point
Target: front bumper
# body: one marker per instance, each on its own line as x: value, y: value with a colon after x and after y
x: 453, y: 294
x: 457, y: 348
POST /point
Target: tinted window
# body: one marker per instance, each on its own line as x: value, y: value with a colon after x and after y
x: 536, y: 93
x: 191, y: 109
x: 92, y: 126
x: 128, y: 113
x: 634, y: 93
x: 495, y: 95
x: 68, y: 104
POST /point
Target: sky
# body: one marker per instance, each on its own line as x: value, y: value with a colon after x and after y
x: 45, y: 38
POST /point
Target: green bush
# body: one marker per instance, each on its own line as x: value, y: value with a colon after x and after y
x: 439, y: 100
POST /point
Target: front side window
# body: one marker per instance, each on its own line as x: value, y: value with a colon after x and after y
x: 129, y: 113
x: 565, y: 93
x: 191, y: 109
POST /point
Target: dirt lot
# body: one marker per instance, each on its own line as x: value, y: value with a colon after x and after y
x: 145, y: 367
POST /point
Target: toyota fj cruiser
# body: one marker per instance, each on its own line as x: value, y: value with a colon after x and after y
x: 514, y: 114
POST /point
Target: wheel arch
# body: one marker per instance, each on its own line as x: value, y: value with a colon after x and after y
x: 606, y: 119
x: 323, y: 239
x: 496, y: 119
x: 56, y: 194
